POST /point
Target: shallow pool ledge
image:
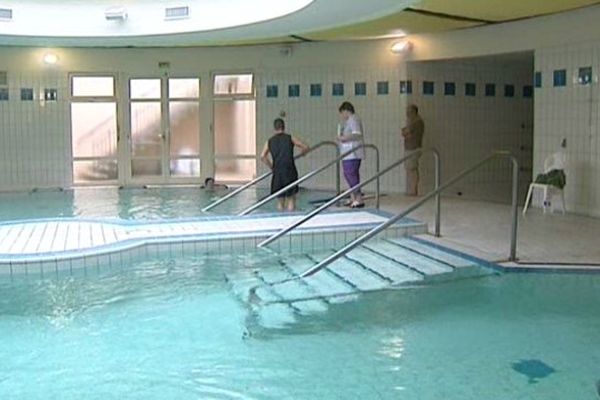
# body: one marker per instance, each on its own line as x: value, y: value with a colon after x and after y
x: 39, y: 246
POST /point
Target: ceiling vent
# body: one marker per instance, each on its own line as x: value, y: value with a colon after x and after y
x: 115, y: 14
x: 6, y: 14
x: 177, y: 12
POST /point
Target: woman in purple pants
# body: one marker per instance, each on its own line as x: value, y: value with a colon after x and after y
x: 350, y: 136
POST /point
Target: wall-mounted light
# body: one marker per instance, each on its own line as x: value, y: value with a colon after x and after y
x: 401, y: 46
x: 118, y: 13
x: 50, y: 58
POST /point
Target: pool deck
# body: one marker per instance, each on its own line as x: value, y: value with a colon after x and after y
x: 546, y: 242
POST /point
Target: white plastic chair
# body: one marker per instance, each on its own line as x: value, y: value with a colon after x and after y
x: 549, y: 192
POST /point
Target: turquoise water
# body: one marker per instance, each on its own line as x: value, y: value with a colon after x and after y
x: 138, y: 204
x: 172, y: 329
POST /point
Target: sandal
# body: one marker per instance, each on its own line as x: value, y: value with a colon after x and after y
x: 356, y: 204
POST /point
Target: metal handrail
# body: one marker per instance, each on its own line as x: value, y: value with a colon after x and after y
x: 269, y: 173
x: 436, y: 156
x: 313, y: 173
x: 513, y: 239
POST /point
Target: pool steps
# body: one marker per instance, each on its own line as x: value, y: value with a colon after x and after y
x: 379, y: 264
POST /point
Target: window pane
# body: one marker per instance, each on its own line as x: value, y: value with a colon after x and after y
x: 94, y: 129
x: 145, y: 88
x: 146, y: 135
x: 185, y: 167
x: 184, y: 88
x: 94, y: 170
x: 235, y: 170
x: 146, y: 168
x: 93, y: 86
x: 184, y: 117
x: 235, y: 127
x: 233, y: 84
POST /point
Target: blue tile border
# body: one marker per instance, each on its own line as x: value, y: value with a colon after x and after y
x: 569, y: 269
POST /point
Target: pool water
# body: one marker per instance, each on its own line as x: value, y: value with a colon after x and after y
x: 136, y: 204
x: 172, y: 329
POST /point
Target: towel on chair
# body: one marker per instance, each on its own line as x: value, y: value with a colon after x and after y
x: 555, y: 177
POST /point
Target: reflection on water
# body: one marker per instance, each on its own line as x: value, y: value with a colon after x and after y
x: 172, y: 328
x: 132, y: 204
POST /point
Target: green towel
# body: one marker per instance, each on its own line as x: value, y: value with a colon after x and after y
x: 555, y: 177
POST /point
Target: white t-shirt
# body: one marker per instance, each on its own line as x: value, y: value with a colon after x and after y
x: 353, y: 126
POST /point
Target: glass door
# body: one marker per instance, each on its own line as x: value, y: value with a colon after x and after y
x: 148, y: 133
x: 165, y: 130
x: 234, y: 122
x: 94, y: 130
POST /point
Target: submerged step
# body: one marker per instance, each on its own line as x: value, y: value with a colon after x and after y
x: 394, y: 271
x: 356, y: 275
x: 403, y: 255
x: 433, y: 252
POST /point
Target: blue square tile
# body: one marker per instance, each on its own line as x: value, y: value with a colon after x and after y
x: 360, y: 89
x: 449, y: 88
x: 337, y: 89
x: 560, y: 78
x: 316, y: 90
x: 428, y: 88
x: 383, y: 87
x: 406, y: 87
x: 294, y: 90
x: 272, y: 91
x: 537, y: 79
x: 470, y: 89
x: 584, y: 75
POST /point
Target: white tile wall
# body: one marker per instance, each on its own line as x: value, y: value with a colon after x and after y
x: 466, y: 129
x: 570, y: 112
x: 314, y: 119
x: 35, y: 145
x: 35, y: 136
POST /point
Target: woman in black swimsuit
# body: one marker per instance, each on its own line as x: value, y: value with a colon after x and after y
x: 280, y: 147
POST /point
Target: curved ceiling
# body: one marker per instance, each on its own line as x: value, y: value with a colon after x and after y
x: 218, y: 22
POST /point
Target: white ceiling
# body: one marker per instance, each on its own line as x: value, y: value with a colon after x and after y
x: 82, y: 23
x: 211, y: 22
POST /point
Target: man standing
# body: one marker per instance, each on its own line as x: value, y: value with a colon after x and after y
x: 350, y: 136
x: 413, y: 141
x: 278, y: 154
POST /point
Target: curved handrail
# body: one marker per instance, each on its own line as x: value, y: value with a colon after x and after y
x: 436, y: 156
x: 361, y: 239
x: 310, y: 175
x: 269, y: 173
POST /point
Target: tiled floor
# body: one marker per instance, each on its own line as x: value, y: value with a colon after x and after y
x: 483, y: 229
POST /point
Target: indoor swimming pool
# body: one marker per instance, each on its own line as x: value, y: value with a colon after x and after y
x: 185, y: 326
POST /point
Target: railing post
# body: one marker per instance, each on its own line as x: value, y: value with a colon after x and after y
x: 377, y: 183
x: 514, y: 211
x: 338, y: 171
x: 436, y: 184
